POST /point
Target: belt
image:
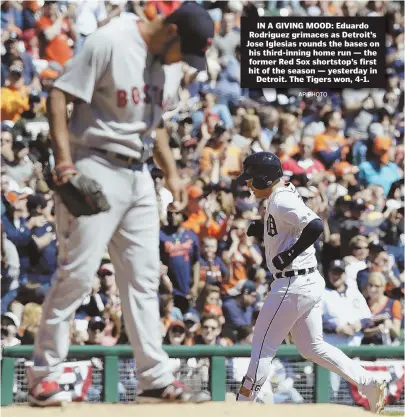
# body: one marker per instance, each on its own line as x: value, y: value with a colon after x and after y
x: 295, y: 273
x: 131, y: 163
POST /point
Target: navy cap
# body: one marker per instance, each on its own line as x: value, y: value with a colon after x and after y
x: 336, y: 265
x: 96, y: 323
x: 35, y: 200
x: 358, y: 204
x: 196, y: 30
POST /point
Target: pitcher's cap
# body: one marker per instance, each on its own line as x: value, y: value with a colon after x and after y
x: 196, y: 30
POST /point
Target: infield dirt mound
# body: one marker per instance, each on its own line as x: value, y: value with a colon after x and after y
x: 213, y: 409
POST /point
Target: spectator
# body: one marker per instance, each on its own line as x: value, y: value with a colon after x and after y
x: 22, y: 60
x: 11, y: 17
x: 31, y: 318
x: 240, y: 256
x: 284, y: 143
x: 19, y: 231
x: 258, y: 275
x: 112, y: 326
x: 228, y: 37
x: 168, y: 312
x: 212, y: 269
x: 345, y: 180
x: 30, y: 8
x: 356, y: 261
x: 10, y: 272
x: 9, y: 326
x: 219, y: 158
x: 21, y: 169
x: 209, y: 295
x: 304, y: 162
x: 210, y: 333
x: 176, y: 334
x: 331, y: 146
x: 89, y: 16
x: 55, y: 28
x: 228, y: 86
x: 95, y: 331
x: 7, y: 141
x: 43, y: 257
x: 378, y: 169
x: 352, y: 226
x: 238, y: 309
x: 209, y: 106
x: 345, y: 310
x: 379, y: 261
x: 108, y: 287
x: 192, y: 325
x: 93, y: 305
x: 14, y: 99
x: 180, y: 252
x: 200, y: 215
x: 387, y: 313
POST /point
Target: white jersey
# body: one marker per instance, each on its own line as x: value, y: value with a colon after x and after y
x: 124, y: 89
x: 344, y: 308
x: 286, y: 216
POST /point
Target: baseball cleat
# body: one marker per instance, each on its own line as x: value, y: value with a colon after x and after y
x: 175, y: 391
x: 49, y: 394
x: 375, y: 393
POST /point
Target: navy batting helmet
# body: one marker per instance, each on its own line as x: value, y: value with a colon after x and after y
x: 263, y: 168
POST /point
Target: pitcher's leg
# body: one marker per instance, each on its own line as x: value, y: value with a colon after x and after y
x: 275, y: 320
x: 134, y: 251
x: 308, y: 337
x: 82, y: 242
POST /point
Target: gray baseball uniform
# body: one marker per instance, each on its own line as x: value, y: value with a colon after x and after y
x: 124, y: 92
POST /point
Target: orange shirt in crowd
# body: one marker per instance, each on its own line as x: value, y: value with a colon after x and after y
x: 396, y: 308
x: 196, y: 223
x: 166, y: 7
x: 232, y: 165
x: 238, y: 272
x: 58, y: 48
x: 328, y: 143
x: 13, y: 103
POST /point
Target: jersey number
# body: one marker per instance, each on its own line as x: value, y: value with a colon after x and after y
x: 271, y: 226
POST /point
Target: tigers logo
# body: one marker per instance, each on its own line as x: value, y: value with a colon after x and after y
x: 208, y: 44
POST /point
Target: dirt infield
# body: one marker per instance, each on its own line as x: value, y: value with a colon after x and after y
x: 214, y: 409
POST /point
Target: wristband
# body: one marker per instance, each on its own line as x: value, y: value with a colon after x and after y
x: 63, y: 168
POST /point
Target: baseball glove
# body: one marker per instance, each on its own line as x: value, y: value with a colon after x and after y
x: 82, y: 196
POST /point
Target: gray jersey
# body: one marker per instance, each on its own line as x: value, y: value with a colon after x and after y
x: 124, y: 89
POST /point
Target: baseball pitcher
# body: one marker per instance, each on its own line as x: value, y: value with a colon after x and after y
x: 120, y: 83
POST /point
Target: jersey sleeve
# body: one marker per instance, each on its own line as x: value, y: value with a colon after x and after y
x: 84, y: 71
x: 292, y: 210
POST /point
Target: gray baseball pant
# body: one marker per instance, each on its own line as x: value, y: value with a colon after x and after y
x: 131, y: 231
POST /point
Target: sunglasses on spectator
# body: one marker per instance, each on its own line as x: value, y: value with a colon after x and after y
x: 106, y: 273
x: 360, y: 247
x: 205, y: 327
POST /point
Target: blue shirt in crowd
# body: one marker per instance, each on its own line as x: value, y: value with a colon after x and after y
x: 236, y: 315
x: 179, y: 252
x: 371, y: 172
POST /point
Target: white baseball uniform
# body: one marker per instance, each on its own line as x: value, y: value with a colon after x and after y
x: 293, y: 304
x: 124, y: 91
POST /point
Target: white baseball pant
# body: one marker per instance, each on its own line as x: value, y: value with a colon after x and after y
x: 295, y: 305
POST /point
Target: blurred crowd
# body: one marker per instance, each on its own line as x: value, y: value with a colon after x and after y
x: 343, y: 150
